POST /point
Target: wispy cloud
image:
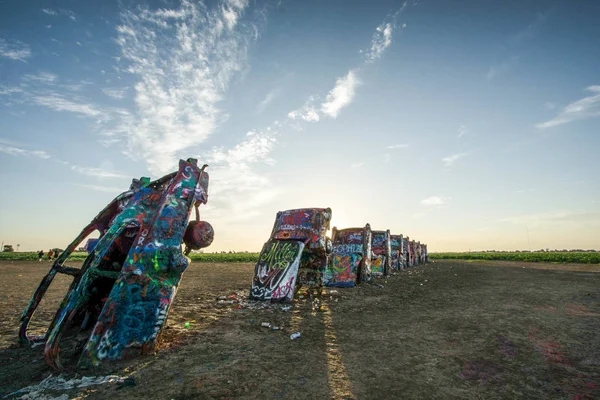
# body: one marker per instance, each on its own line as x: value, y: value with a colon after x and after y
x: 60, y: 103
x: 49, y: 11
x: 502, y: 68
x: 382, y: 38
x: 115, y: 93
x: 98, y: 172
x: 235, y: 178
x: 584, y: 108
x: 183, y: 59
x: 357, y: 165
x: 61, y: 11
x: 450, y: 160
x: 309, y: 112
x: 344, y: 91
x: 16, y: 151
x: 461, y: 131
x: 531, y: 30
x: 341, y: 95
x: 14, y: 50
x: 435, y: 201
x: 9, y: 90
x: 397, y: 146
x: 100, y: 188
x: 272, y: 95
x: 42, y: 77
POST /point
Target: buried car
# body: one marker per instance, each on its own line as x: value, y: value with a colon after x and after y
x: 381, y: 263
x: 397, y: 261
x: 350, y: 261
x: 119, y: 299
x: 295, y: 255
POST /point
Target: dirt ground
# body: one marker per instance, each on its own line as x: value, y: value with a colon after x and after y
x: 447, y: 330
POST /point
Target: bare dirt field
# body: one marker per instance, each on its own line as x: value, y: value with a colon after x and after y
x: 447, y: 330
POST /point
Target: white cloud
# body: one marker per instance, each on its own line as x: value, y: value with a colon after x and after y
x: 16, y: 151
x: 435, y: 201
x: 14, y: 50
x: 98, y: 172
x: 341, y: 95
x: 59, y: 103
x: 106, y: 189
x: 397, y: 146
x: 307, y: 113
x: 43, y: 77
x: 357, y: 165
x: 584, y: 108
x: 115, y: 93
x: 462, y: 131
x: 450, y: 160
x: 502, y: 68
x: 549, y: 105
x: 183, y: 60
x: 382, y: 39
x: 238, y: 189
x: 9, y: 90
x: 49, y: 11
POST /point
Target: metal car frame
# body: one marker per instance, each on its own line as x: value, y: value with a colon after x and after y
x: 381, y: 249
x: 350, y: 260
x: 118, y: 301
x: 294, y: 256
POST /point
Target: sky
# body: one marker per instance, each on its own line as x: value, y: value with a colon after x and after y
x: 466, y: 125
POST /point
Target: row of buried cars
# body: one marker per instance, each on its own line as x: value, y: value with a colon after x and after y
x: 299, y: 253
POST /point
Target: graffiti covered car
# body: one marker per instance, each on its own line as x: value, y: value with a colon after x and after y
x: 397, y: 261
x: 381, y: 249
x: 295, y: 255
x: 120, y: 298
x: 350, y: 261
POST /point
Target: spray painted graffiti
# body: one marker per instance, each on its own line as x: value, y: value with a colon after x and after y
x: 307, y: 228
x: 276, y: 271
x: 122, y: 294
x: 396, y: 255
x: 381, y: 249
x: 350, y: 261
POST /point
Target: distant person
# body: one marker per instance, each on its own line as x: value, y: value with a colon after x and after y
x: 40, y: 255
x: 50, y: 255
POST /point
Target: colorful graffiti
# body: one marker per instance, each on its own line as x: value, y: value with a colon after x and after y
x: 123, y: 292
x: 396, y: 256
x: 276, y: 271
x: 350, y: 261
x: 381, y: 248
x: 279, y: 281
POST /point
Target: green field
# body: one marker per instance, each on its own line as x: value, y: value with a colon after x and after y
x: 552, y: 257
x: 199, y: 257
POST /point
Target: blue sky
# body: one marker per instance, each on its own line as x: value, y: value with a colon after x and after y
x: 465, y: 124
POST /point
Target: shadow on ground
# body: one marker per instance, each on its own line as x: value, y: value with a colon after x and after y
x: 447, y: 330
